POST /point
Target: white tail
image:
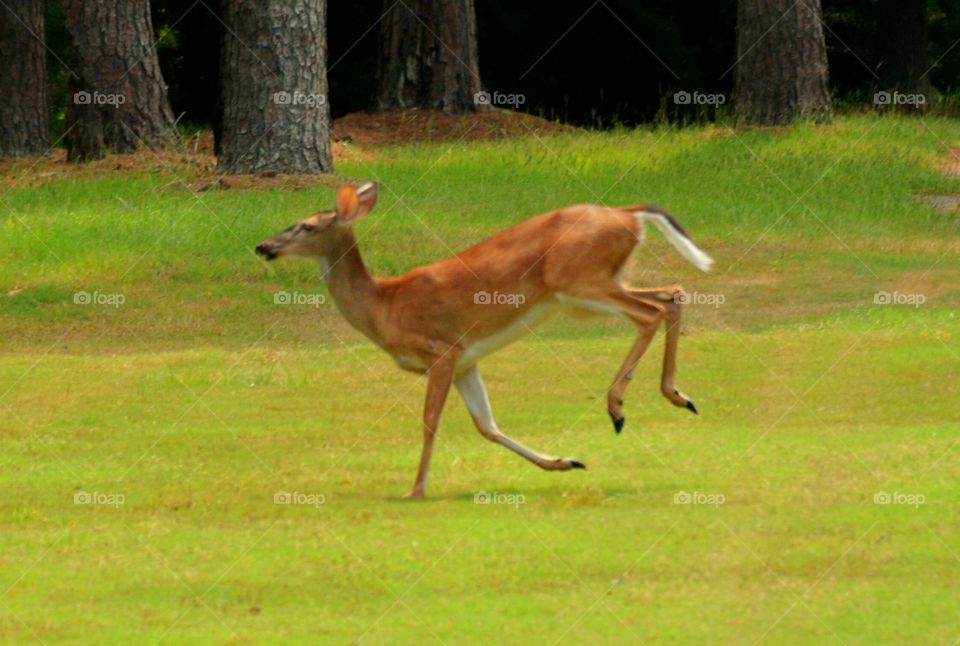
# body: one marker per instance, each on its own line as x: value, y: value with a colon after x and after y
x: 677, y: 237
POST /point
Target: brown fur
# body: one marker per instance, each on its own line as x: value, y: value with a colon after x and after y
x: 429, y: 314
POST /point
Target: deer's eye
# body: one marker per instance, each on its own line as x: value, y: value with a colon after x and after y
x: 307, y: 227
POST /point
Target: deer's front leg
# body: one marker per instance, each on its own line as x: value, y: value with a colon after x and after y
x: 439, y: 378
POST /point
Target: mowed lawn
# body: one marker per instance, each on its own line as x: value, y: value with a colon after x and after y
x: 194, y: 448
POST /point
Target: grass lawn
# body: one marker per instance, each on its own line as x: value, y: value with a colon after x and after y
x: 146, y: 435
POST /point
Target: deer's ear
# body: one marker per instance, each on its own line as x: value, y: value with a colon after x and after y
x: 353, y: 204
x: 348, y: 204
x: 367, y: 193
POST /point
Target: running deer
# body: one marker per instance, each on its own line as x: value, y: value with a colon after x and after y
x: 442, y: 318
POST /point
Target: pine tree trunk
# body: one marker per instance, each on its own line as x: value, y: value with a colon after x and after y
x: 902, y: 39
x: 273, y: 113
x: 118, y: 98
x: 23, y: 80
x: 428, y: 55
x: 782, y: 62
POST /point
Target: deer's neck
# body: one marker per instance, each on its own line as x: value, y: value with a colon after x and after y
x: 350, y: 283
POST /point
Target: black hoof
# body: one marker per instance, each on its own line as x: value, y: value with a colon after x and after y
x: 577, y: 464
x: 618, y: 421
x: 691, y: 407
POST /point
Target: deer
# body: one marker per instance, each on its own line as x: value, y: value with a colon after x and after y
x: 441, y: 319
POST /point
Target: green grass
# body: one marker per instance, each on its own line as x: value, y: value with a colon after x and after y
x: 198, y: 399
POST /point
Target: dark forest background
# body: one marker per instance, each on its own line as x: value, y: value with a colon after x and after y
x: 599, y: 74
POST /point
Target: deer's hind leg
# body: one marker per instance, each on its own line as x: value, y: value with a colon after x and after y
x: 646, y: 308
x: 673, y: 307
x: 646, y: 315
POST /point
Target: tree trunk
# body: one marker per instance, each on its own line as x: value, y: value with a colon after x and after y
x: 23, y: 80
x: 782, y: 62
x: 902, y: 37
x: 118, y: 99
x: 273, y: 113
x: 428, y: 55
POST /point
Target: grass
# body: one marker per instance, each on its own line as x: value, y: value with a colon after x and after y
x: 199, y: 398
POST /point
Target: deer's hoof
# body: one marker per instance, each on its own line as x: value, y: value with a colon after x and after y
x: 618, y: 420
x: 576, y: 464
x: 691, y: 407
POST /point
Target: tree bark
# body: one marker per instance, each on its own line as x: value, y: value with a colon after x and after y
x: 23, y: 80
x: 273, y: 113
x: 902, y: 37
x: 118, y: 98
x: 428, y: 55
x: 782, y: 70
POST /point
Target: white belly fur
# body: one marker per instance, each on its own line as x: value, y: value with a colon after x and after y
x: 519, y: 328
x: 594, y: 307
x: 479, y: 348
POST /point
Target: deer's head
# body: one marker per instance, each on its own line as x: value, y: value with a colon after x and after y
x: 319, y: 235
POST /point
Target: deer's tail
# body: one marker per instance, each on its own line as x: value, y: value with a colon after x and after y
x: 673, y: 232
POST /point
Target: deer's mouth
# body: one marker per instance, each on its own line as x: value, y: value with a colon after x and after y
x: 265, y: 250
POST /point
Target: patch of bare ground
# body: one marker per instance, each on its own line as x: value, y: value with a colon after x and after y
x: 941, y: 201
x: 36, y: 171
x: 399, y: 127
x: 951, y: 165
x: 948, y: 202
x: 928, y: 283
x: 191, y: 163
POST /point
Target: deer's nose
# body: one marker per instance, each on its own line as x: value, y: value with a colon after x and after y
x: 264, y: 250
